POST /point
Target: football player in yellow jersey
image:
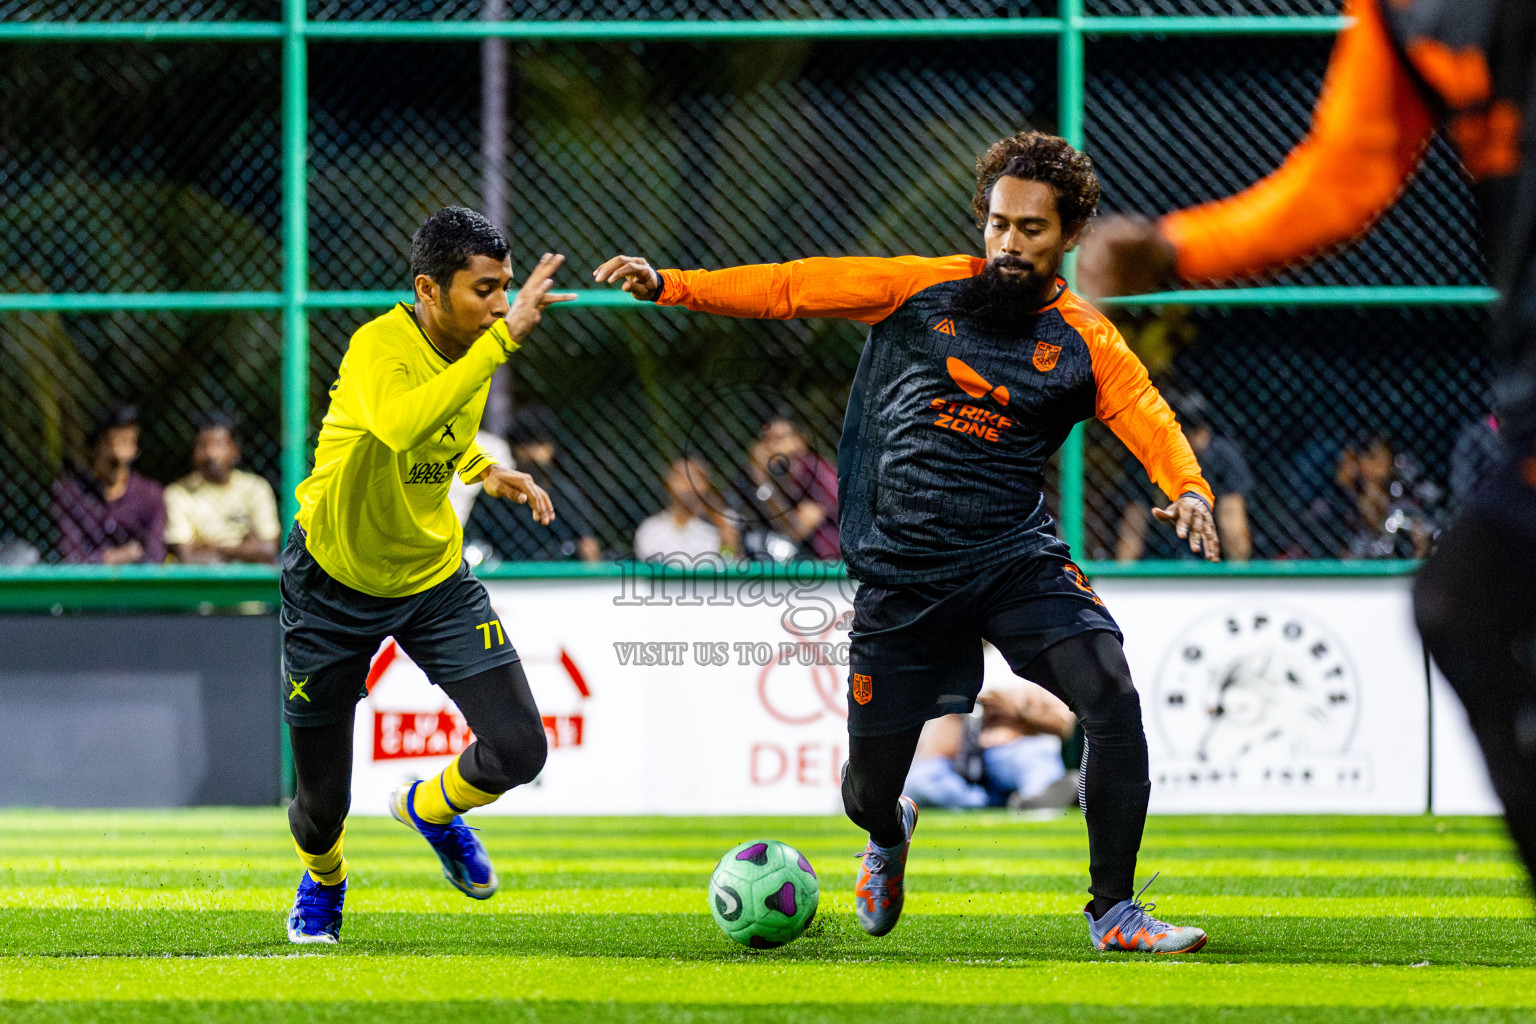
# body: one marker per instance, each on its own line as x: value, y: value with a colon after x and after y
x: 377, y: 551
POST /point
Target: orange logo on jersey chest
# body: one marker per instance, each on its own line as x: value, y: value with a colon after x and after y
x: 1046, y: 355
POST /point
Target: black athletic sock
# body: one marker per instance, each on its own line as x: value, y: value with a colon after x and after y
x: 873, y: 780
x: 1101, y: 905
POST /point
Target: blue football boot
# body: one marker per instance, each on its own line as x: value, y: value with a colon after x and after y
x: 316, y: 913
x: 465, y: 862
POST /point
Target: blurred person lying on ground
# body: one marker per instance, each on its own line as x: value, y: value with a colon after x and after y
x: 693, y: 524
x: 105, y: 512
x: 1010, y: 754
x: 1225, y: 469
x: 218, y: 513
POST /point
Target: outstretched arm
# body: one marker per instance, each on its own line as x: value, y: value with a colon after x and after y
x: 402, y: 416
x: 863, y: 288
x: 1369, y: 131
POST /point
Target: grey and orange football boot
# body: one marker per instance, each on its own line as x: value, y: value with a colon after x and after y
x: 1129, y: 927
x: 879, y: 891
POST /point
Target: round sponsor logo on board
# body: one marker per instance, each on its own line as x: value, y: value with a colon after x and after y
x: 1259, y: 681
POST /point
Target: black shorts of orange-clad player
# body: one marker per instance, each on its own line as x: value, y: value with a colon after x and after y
x: 331, y: 632
x: 916, y: 650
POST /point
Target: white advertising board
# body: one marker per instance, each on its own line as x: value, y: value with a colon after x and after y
x: 714, y: 706
x: 1264, y: 696
x: 1278, y: 696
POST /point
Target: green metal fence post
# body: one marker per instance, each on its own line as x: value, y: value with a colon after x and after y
x: 1069, y: 119
x: 295, y: 276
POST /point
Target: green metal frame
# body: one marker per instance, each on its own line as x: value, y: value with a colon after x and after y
x: 1071, y: 28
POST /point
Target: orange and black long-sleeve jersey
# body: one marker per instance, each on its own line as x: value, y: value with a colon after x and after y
x: 1402, y: 69
x: 950, y: 423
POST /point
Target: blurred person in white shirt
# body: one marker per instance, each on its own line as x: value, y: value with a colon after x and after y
x: 694, y: 523
x: 462, y: 495
x: 218, y: 513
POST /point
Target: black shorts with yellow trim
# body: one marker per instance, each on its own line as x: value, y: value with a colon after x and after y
x: 331, y: 633
x: 916, y: 650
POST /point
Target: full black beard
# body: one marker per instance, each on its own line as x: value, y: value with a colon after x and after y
x: 1000, y: 302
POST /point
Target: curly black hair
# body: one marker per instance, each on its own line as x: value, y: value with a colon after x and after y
x: 1048, y: 159
x: 444, y: 243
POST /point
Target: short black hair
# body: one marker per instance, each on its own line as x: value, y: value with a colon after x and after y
x: 217, y: 420
x: 112, y: 419
x: 446, y: 241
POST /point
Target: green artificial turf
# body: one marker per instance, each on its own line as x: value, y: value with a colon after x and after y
x: 178, y: 916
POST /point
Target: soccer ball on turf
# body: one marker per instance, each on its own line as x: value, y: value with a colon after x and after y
x: 763, y: 893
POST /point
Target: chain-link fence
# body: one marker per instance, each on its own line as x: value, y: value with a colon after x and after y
x: 156, y: 167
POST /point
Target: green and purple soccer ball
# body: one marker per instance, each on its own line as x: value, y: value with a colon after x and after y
x: 763, y: 893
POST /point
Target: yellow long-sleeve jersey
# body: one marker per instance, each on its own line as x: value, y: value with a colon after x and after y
x: 402, y: 420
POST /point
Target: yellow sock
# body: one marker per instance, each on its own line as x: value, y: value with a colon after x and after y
x: 328, y: 868
x: 445, y: 795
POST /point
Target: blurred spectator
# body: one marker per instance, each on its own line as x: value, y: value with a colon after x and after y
x: 1010, y: 754
x: 1478, y: 449
x: 462, y: 495
x: 693, y: 524
x: 218, y: 513
x: 509, y: 528
x: 104, y: 511
x: 1224, y: 468
x: 790, y: 495
x: 1389, y: 511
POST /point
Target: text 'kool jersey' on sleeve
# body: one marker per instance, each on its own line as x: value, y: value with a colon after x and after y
x: 863, y: 288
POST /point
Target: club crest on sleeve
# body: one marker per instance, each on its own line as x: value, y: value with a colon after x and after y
x: 1046, y: 355
x: 863, y: 689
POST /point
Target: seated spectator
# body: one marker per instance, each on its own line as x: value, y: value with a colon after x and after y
x: 1389, y: 509
x: 508, y: 527
x: 693, y: 524
x: 462, y: 495
x: 218, y: 513
x: 105, y: 512
x: 790, y: 495
x: 1010, y: 755
x: 1224, y: 468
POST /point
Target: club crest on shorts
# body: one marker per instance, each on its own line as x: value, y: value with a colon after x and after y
x: 863, y: 690
x: 1046, y: 355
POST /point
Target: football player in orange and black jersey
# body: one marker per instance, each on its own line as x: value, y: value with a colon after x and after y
x: 973, y: 374
x: 1401, y: 70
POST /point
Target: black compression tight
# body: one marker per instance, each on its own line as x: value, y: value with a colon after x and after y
x: 508, y: 750
x: 1089, y: 672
